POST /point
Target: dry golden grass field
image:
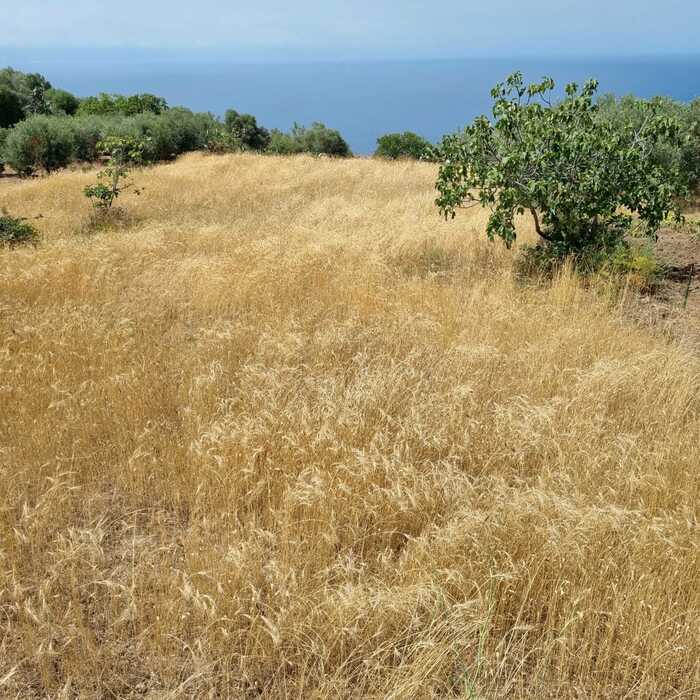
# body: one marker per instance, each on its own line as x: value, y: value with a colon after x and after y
x: 290, y: 435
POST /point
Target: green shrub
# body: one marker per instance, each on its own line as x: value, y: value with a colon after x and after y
x: 622, y: 260
x: 571, y: 171
x: 638, y: 265
x: 283, y: 144
x: 40, y: 142
x: 405, y: 145
x: 174, y: 132
x: 15, y: 232
x: 161, y: 140
x: 320, y: 140
x: 206, y: 125
x: 222, y: 141
x: 316, y: 139
x: 244, y: 129
x: 87, y: 131
x: 189, y: 130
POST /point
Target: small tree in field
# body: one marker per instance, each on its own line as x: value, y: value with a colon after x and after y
x: 405, y: 145
x: 580, y: 178
x: 124, y: 153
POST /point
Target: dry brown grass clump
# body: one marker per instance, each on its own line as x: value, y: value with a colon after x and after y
x: 291, y: 436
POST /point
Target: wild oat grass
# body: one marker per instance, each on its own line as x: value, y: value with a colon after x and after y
x: 289, y: 435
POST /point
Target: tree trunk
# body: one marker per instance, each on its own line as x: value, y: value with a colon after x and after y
x: 538, y: 228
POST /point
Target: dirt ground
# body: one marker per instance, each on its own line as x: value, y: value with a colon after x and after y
x: 675, y: 305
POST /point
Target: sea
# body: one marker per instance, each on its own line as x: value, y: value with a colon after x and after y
x: 362, y: 99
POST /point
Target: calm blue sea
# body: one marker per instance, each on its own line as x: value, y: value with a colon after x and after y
x: 361, y: 99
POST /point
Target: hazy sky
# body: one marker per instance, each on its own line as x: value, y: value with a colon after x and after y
x: 401, y: 28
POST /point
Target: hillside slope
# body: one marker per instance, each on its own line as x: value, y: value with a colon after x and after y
x: 290, y: 435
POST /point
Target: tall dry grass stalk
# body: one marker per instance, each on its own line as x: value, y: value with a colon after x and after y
x: 291, y: 436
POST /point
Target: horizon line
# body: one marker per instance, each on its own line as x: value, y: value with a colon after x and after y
x: 342, y: 55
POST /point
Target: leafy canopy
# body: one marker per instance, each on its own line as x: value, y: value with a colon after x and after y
x: 581, y: 178
x: 122, y: 104
x: 684, y: 154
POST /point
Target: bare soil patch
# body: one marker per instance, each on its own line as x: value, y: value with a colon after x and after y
x: 675, y: 306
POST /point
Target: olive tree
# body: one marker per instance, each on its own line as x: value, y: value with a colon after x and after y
x: 39, y: 142
x: 580, y: 178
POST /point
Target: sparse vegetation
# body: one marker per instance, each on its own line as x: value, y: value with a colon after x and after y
x: 288, y: 436
x: 15, y: 232
x: 123, y: 154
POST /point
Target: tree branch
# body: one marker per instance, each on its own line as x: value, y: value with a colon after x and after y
x: 538, y: 228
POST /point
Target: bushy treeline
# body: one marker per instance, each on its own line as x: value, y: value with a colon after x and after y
x: 23, y: 95
x: 52, y: 142
x: 47, y: 142
x: 42, y: 128
x: 242, y: 132
x: 685, y: 155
